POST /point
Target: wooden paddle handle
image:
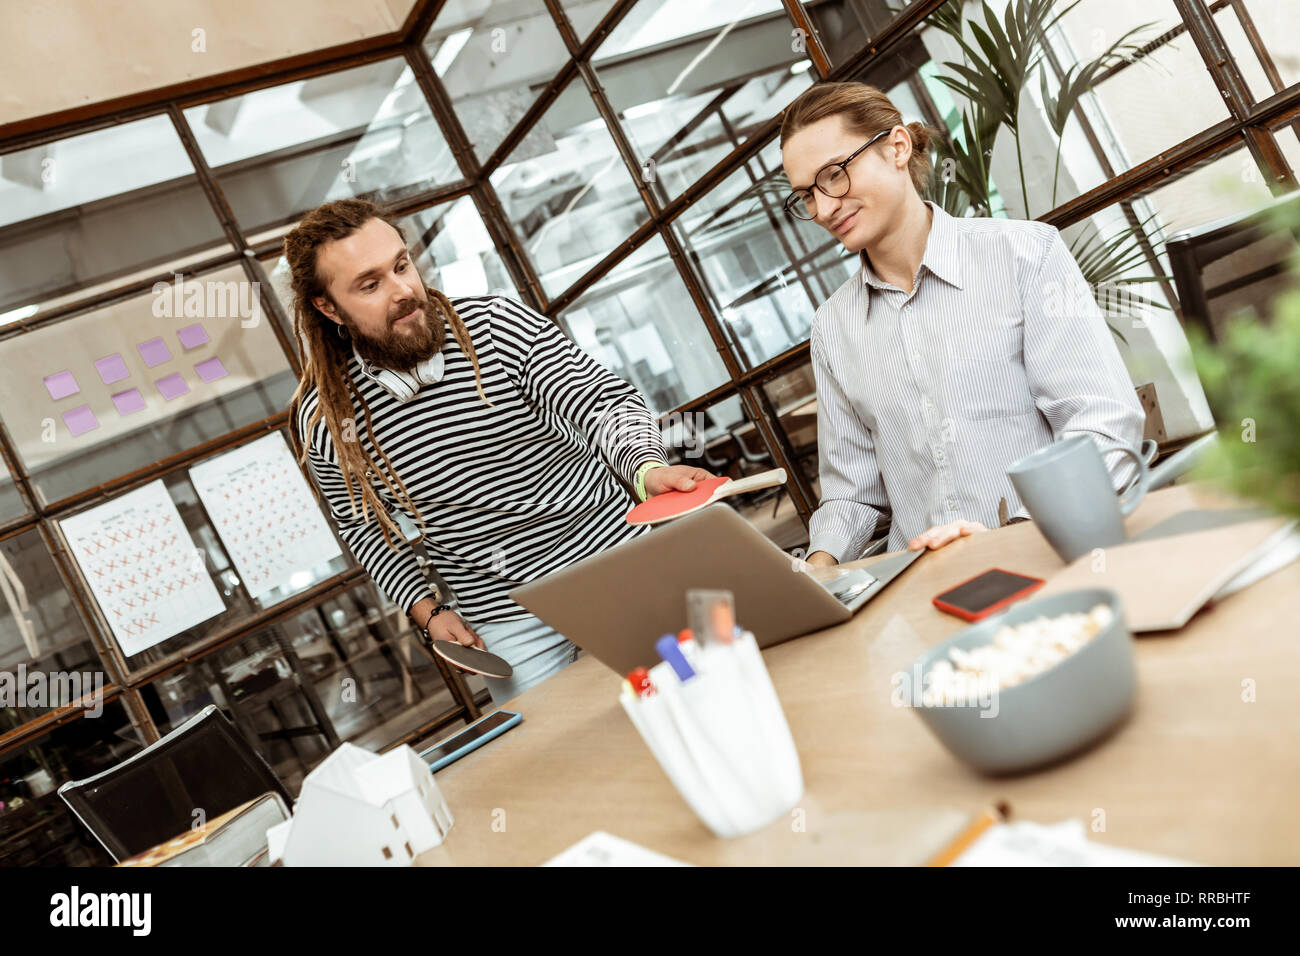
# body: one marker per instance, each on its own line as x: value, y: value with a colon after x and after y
x: 764, y: 479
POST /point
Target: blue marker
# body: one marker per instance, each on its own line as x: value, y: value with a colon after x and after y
x: 667, y: 648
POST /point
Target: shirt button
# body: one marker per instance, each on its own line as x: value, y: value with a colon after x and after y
x: 938, y: 454
x: 916, y: 356
x: 952, y: 503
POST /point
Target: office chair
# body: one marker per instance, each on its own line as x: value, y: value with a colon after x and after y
x: 764, y: 461
x: 151, y: 796
x: 1242, y: 260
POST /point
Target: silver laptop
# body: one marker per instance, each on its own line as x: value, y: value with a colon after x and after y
x: 616, y: 604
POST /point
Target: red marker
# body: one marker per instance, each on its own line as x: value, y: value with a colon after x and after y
x: 642, y: 686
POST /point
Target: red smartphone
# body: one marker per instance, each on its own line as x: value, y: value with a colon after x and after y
x: 986, y: 594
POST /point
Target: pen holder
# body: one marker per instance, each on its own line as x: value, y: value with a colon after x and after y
x: 722, y: 738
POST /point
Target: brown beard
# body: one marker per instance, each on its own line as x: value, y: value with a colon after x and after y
x: 399, y: 350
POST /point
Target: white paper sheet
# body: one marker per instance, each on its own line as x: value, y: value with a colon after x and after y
x: 602, y: 849
x: 150, y: 580
x: 1026, y: 843
x: 263, y: 509
x: 1274, y: 559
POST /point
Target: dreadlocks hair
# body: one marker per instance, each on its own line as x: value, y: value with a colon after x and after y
x: 325, y: 356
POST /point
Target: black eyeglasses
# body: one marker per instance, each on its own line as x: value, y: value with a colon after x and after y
x: 832, y: 180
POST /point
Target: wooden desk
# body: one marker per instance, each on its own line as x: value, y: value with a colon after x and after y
x: 1196, y: 773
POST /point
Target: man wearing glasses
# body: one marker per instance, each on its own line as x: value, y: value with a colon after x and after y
x: 958, y: 347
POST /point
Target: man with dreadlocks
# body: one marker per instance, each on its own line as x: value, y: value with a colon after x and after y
x: 500, y: 444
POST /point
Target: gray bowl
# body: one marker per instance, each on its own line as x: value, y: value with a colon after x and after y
x: 1052, y: 714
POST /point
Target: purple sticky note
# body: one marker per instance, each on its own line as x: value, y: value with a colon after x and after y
x: 172, y: 386
x: 192, y: 336
x: 80, y: 419
x: 154, y: 352
x: 111, y: 368
x: 129, y: 401
x: 61, y: 384
x: 211, y: 369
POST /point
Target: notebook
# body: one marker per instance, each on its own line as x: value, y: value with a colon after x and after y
x: 1164, y: 578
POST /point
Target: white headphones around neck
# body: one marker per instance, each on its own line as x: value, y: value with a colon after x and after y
x: 403, y: 384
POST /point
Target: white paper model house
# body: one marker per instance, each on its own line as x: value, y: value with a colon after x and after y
x: 362, y: 809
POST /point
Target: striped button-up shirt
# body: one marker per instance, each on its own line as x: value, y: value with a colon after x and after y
x: 508, y: 492
x: 926, y: 398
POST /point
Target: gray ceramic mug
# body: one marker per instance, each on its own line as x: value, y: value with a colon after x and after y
x: 1067, y: 490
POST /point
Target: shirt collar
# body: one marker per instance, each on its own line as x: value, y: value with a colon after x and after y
x: 942, y: 257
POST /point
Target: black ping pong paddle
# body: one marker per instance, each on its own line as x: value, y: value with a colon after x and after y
x: 472, y: 659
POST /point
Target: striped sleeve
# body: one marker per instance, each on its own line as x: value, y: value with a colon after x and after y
x: 556, y: 374
x: 394, y: 570
x: 853, y: 492
x: 1073, y: 366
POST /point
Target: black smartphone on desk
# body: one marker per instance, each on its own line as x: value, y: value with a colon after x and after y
x: 471, y: 738
x: 987, y: 593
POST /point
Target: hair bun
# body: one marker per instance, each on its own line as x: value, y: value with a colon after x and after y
x: 920, y: 135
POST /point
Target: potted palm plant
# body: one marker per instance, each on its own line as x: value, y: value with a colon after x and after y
x: 1000, y: 58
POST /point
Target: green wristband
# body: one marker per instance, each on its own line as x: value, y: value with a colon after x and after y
x: 639, y: 482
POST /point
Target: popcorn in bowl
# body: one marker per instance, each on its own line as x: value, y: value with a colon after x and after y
x: 1016, y: 653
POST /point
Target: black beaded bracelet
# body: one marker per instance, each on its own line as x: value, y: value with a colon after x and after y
x: 432, y: 614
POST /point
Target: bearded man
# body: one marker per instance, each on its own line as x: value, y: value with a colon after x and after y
x: 501, y: 443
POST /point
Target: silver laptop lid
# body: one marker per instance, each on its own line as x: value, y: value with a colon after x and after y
x: 616, y: 604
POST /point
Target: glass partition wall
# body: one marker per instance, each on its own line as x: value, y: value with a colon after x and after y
x: 612, y: 163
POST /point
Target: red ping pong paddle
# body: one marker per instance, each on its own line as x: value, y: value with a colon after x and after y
x: 472, y: 659
x: 674, y: 504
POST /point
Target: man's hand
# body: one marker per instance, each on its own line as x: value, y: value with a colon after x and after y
x: 445, y: 625
x: 673, y: 478
x: 939, y: 535
x: 821, y: 559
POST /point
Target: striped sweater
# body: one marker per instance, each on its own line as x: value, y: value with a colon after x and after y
x: 508, y: 492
